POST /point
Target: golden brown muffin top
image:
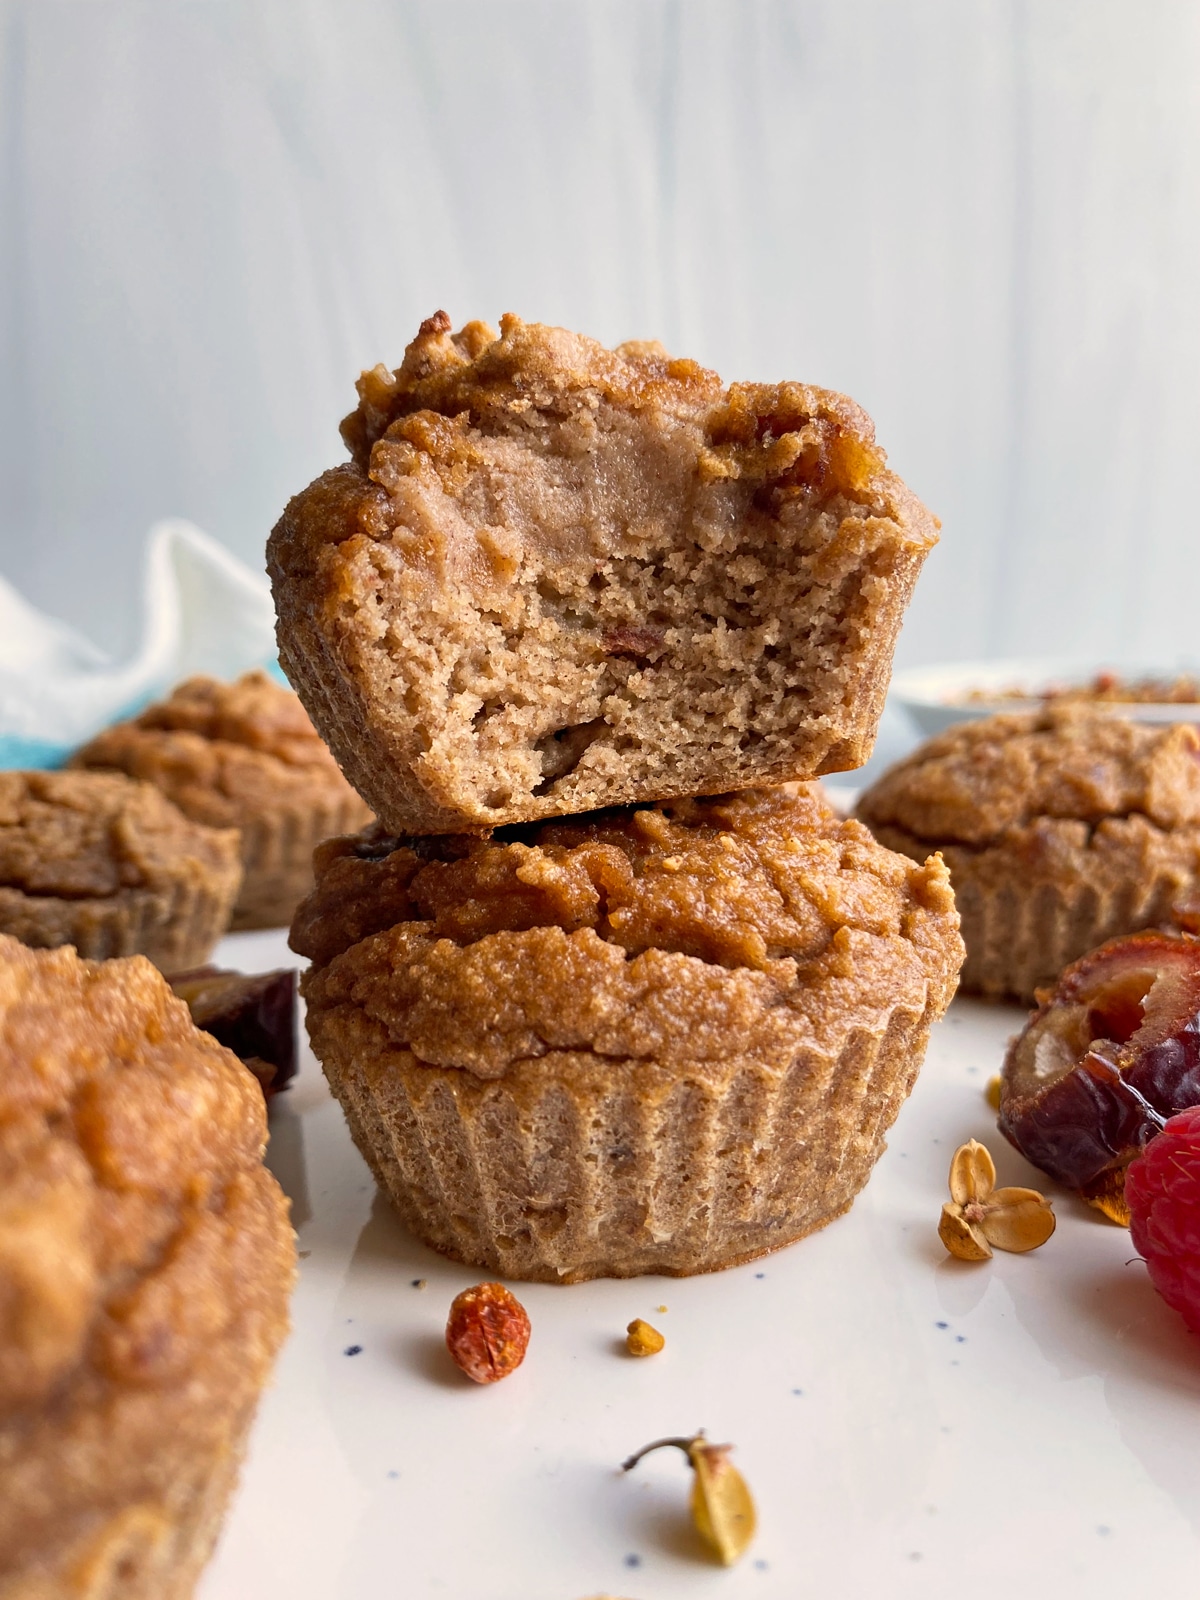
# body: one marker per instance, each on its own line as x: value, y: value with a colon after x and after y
x: 452, y: 388
x: 90, y: 835
x: 978, y: 780
x: 130, y: 1147
x: 221, y: 751
x: 700, y: 926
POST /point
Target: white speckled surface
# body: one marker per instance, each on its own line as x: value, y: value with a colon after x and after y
x: 910, y: 1425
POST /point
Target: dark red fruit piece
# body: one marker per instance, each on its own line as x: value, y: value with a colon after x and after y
x: 1162, y: 1189
x: 254, y: 1016
x: 1110, y: 1053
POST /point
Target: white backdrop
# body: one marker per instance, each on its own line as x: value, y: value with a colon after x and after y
x: 980, y: 219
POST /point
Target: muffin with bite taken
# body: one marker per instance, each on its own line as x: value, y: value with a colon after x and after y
x: 555, y: 577
x: 662, y: 1038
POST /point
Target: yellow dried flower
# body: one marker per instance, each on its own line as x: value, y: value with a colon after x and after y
x: 722, y: 1510
x: 1107, y: 1195
x: 642, y: 1339
x: 978, y: 1215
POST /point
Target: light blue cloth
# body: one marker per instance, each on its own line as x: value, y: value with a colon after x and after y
x: 202, y: 611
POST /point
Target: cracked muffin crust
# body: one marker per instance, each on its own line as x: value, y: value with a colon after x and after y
x: 241, y: 755
x: 556, y: 577
x: 659, y: 1039
x: 109, y: 865
x: 1061, y: 828
x: 146, y: 1261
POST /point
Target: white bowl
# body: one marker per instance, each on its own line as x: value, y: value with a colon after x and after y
x: 935, y: 697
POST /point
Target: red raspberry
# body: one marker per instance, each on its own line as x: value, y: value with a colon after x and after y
x: 1163, y: 1190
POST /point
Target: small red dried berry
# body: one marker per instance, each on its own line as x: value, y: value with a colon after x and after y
x: 487, y: 1332
x: 1162, y: 1190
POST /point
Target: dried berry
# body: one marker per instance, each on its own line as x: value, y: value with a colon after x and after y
x: 978, y: 1215
x: 487, y: 1332
x: 722, y: 1511
x: 642, y: 1339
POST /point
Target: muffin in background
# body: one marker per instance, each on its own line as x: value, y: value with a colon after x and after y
x: 1061, y: 827
x: 241, y: 755
x: 651, y: 1039
x: 146, y: 1261
x: 109, y: 865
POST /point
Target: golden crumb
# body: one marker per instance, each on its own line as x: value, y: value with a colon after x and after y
x: 643, y: 1340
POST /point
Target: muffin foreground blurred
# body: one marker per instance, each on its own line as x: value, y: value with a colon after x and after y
x: 661, y: 1039
x: 101, y: 862
x: 556, y: 577
x: 146, y: 1261
x: 1061, y: 827
x: 241, y: 755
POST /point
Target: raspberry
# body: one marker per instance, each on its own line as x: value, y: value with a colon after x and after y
x: 1162, y: 1188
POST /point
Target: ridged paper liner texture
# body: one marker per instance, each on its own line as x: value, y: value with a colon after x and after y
x: 277, y: 850
x: 175, y: 925
x: 1019, y: 938
x: 1023, y: 924
x: 575, y: 1166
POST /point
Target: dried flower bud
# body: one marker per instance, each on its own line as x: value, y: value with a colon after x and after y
x: 722, y: 1510
x: 642, y: 1339
x: 487, y: 1332
x: 979, y: 1215
x: 1107, y: 1194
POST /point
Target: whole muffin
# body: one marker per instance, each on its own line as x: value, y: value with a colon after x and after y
x: 241, y: 755
x: 663, y: 1039
x: 1061, y: 828
x: 146, y: 1261
x: 109, y: 865
x: 556, y: 577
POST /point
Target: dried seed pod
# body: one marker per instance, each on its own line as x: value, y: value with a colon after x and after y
x: 487, y: 1332
x: 978, y: 1215
x: 643, y: 1340
x: 722, y: 1510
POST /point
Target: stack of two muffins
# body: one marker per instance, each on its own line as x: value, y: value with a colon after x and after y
x: 581, y: 1021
